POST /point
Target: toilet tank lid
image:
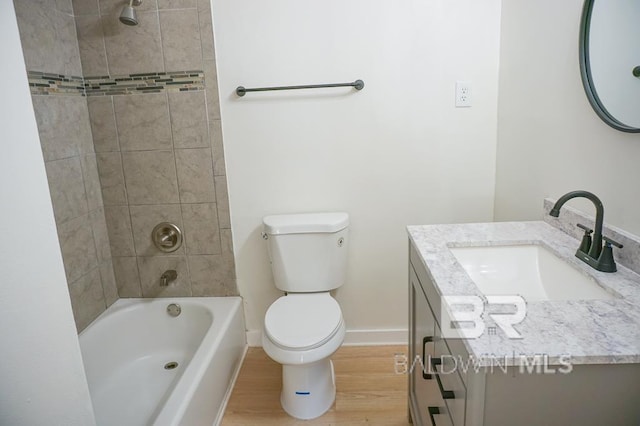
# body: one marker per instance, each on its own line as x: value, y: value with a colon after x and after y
x: 305, y: 223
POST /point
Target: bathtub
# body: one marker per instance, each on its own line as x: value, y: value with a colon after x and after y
x: 146, y: 367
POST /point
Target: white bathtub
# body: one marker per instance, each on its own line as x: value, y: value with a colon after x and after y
x: 125, y: 351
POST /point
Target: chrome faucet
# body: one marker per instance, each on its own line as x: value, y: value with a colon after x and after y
x: 168, y: 277
x: 591, y: 250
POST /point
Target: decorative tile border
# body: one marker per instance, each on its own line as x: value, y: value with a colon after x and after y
x: 42, y: 83
x: 153, y: 82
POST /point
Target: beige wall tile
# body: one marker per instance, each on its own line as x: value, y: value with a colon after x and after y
x: 195, y: 175
x: 67, y: 51
x: 146, y: 128
x: 226, y: 242
x: 85, y: 7
x: 87, y: 298
x: 100, y: 234
x: 181, y: 39
x: 143, y: 121
x: 108, y: 279
x: 91, y: 181
x: 150, y: 177
x: 111, y: 178
x: 93, y: 54
x: 212, y: 276
x: 114, y: 7
x: 202, y: 235
x: 48, y: 38
x: 67, y: 189
x: 52, y: 120
x: 64, y: 6
x: 37, y: 25
x: 211, y: 89
x: 77, y: 246
x: 176, y: 4
x: 204, y: 5
x: 127, y: 277
x: 103, y: 123
x: 120, y: 233
x: 219, y: 167
x: 133, y: 49
x: 206, y: 29
x: 189, y: 119
x: 62, y: 127
x: 81, y: 127
x: 152, y: 268
x: 145, y: 218
x: 222, y: 197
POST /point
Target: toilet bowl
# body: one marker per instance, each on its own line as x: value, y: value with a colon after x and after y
x: 301, y: 332
x: 305, y: 327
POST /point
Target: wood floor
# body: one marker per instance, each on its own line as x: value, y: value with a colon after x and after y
x: 368, y: 390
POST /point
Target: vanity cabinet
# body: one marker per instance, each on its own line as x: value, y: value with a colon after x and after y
x: 442, y: 393
x: 427, y: 404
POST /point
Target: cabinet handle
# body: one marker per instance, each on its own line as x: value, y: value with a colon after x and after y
x: 426, y: 340
x: 432, y: 412
x: 446, y: 394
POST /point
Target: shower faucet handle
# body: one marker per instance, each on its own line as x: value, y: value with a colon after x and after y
x: 167, y: 237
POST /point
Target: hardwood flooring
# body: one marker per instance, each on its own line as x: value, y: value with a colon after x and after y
x: 368, y: 390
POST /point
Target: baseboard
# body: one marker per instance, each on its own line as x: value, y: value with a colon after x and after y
x: 376, y: 337
x: 254, y: 338
x: 352, y: 338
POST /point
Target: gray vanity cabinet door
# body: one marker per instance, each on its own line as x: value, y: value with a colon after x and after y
x: 423, y: 390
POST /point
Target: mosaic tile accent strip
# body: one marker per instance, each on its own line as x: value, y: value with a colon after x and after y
x: 42, y: 83
x: 154, y: 82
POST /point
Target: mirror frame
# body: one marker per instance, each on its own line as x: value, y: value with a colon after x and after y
x: 585, y: 71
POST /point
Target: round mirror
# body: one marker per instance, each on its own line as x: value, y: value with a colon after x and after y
x: 610, y: 60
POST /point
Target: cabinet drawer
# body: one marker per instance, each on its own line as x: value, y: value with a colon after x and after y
x: 450, y: 383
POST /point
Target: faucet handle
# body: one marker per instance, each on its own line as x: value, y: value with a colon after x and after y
x: 605, y: 262
x: 609, y: 241
x: 586, y: 229
x: 585, y: 244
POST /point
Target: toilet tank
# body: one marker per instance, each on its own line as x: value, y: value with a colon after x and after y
x: 308, y: 252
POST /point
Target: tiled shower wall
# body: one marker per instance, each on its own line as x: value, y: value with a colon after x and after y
x: 50, y: 45
x: 159, y: 146
x: 120, y: 160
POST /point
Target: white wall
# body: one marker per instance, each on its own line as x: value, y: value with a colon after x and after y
x: 43, y: 381
x: 550, y: 140
x: 394, y: 154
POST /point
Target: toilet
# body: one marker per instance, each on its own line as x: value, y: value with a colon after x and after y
x: 303, y: 328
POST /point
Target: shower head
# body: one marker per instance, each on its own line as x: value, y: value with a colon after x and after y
x: 128, y: 15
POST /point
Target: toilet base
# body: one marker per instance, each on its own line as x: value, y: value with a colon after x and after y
x: 308, y: 390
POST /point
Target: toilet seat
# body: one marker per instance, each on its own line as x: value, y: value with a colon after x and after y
x: 303, y: 321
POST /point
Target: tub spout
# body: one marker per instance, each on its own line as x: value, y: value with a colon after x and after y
x: 168, y: 277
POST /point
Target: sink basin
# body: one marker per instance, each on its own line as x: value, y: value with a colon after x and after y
x: 531, y: 271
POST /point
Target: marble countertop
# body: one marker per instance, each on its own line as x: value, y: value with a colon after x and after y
x: 584, y: 331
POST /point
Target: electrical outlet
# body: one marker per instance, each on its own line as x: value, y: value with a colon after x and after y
x: 463, y: 94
